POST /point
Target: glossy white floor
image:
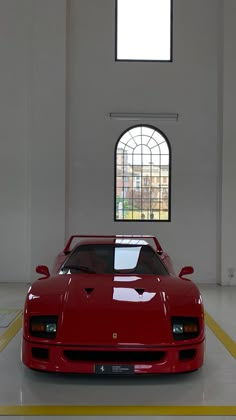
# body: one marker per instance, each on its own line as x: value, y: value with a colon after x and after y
x: 213, y: 385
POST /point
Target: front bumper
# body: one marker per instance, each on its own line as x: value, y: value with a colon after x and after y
x: 62, y: 358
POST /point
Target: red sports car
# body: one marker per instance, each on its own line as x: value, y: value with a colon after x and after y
x: 113, y: 305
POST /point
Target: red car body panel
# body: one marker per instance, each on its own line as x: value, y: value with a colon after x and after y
x: 113, y: 320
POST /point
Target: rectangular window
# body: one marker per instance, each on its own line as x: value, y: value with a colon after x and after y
x: 144, y: 30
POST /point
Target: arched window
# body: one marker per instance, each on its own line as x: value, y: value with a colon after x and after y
x: 142, y: 175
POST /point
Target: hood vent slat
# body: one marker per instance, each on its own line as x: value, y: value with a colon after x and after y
x: 140, y: 291
x: 89, y: 290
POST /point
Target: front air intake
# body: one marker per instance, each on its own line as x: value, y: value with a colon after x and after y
x: 114, y: 356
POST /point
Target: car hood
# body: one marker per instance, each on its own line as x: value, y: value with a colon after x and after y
x: 115, y: 309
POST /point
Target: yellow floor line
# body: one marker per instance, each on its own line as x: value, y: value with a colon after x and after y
x: 65, y: 410
x: 11, y: 331
x: 225, y: 339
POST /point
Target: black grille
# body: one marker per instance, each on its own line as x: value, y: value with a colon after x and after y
x: 40, y: 353
x: 114, y: 356
x: 187, y: 354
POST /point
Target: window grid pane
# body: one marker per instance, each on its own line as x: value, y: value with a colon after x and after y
x: 142, y: 179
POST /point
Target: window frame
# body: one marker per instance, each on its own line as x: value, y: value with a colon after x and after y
x: 144, y: 60
x: 169, y: 168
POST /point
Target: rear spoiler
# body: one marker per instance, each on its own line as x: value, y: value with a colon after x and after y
x: 158, y: 247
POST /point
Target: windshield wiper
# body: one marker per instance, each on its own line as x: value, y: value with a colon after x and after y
x: 79, y: 268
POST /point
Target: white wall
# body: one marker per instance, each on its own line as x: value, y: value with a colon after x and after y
x: 228, y: 248
x: 47, y: 130
x: 99, y: 85
x: 13, y: 139
x: 32, y: 134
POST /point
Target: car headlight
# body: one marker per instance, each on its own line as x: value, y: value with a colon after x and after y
x: 184, y: 327
x: 43, y: 326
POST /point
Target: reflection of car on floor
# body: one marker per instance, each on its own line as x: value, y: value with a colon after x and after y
x: 113, y: 304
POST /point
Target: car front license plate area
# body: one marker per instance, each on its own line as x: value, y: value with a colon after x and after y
x: 114, y: 369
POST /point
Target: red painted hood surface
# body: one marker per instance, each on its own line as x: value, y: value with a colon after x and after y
x: 104, y: 309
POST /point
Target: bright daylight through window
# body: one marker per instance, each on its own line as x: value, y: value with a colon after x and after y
x: 143, y: 30
x: 142, y: 175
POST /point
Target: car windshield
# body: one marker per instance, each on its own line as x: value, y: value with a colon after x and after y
x: 114, y: 259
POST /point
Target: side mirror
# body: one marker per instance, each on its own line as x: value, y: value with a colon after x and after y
x: 43, y: 269
x: 185, y: 271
